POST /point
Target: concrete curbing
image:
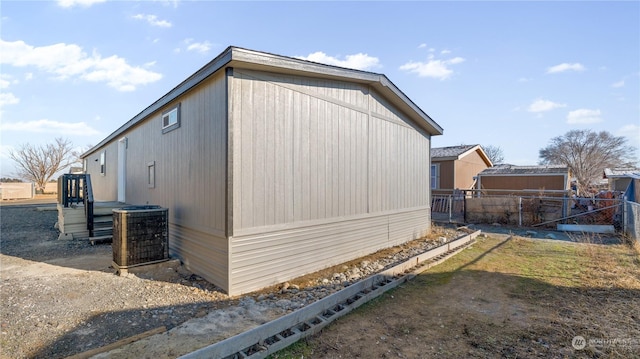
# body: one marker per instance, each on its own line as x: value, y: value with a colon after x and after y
x: 278, y: 334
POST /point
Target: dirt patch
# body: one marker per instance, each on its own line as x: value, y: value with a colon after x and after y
x: 505, y: 297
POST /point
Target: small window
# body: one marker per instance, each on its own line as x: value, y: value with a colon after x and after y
x: 84, y: 165
x: 151, y: 174
x: 103, y: 162
x: 171, y: 119
x: 435, y: 176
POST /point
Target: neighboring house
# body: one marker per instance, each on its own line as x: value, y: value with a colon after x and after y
x: 524, y: 180
x: 625, y: 180
x: 456, y: 167
x: 273, y: 167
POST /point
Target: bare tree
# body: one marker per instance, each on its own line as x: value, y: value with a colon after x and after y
x: 39, y: 163
x: 587, y: 154
x: 495, y: 154
x: 76, y: 153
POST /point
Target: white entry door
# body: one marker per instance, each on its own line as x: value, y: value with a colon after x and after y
x: 122, y: 169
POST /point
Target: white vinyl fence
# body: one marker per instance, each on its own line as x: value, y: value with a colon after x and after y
x: 18, y: 190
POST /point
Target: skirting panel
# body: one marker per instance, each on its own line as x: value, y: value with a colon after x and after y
x: 264, y: 259
x: 202, y: 253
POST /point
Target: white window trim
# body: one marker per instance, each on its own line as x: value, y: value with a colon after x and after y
x: 167, y: 115
x: 103, y: 163
x: 435, y: 174
x: 151, y: 174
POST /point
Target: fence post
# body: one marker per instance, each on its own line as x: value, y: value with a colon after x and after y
x: 450, y: 209
x: 519, y: 211
x: 624, y: 215
x: 464, y: 210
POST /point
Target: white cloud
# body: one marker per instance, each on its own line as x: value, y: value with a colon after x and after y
x: 173, y: 3
x: 28, y: 76
x: 201, y: 47
x: 583, y: 116
x: 524, y: 79
x: 439, y: 69
x: 445, y: 52
x: 73, y: 3
x: 50, y: 126
x: 5, y: 81
x: 7, y: 98
x: 69, y: 60
x: 153, y: 20
x: 357, y: 61
x: 541, y: 105
x: 565, y: 67
x: 422, y: 46
x: 618, y: 84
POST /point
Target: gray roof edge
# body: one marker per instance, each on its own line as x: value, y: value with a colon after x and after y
x: 384, y: 81
x: 238, y: 54
x: 292, y: 63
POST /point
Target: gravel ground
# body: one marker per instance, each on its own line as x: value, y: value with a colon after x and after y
x: 61, y: 298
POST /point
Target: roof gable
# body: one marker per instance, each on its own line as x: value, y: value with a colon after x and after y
x: 457, y: 152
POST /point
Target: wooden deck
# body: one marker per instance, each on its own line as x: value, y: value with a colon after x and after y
x: 72, y: 221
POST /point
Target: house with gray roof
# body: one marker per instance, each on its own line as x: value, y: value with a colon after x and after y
x: 455, y: 167
x: 524, y: 180
x: 273, y: 167
x: 625, y: 180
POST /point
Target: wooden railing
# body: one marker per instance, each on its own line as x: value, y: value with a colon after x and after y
x: 74, y: 189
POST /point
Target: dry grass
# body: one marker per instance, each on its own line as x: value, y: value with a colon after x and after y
x: 511, y: 298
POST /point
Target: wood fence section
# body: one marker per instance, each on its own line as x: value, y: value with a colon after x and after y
x: 514, y: 210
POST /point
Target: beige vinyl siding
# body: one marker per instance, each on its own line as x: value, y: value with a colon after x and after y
x: 190, y: 176
x: 398, y: 167
x: 323, y: 172
x: 298, y: 157
x: 190, y: 161
x: 202, y: 252
x: 303, y: 153
x: 466, y: 168
x: 105, y: 188
x: 268, y: 258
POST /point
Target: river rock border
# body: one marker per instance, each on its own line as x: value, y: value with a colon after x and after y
x: 278, y: 334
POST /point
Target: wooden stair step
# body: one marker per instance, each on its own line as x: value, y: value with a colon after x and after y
x: 100, y: 239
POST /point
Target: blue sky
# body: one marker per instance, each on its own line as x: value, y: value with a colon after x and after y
x: 508, y: 74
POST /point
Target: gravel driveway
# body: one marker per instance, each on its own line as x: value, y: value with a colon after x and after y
x: 61, y: 298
